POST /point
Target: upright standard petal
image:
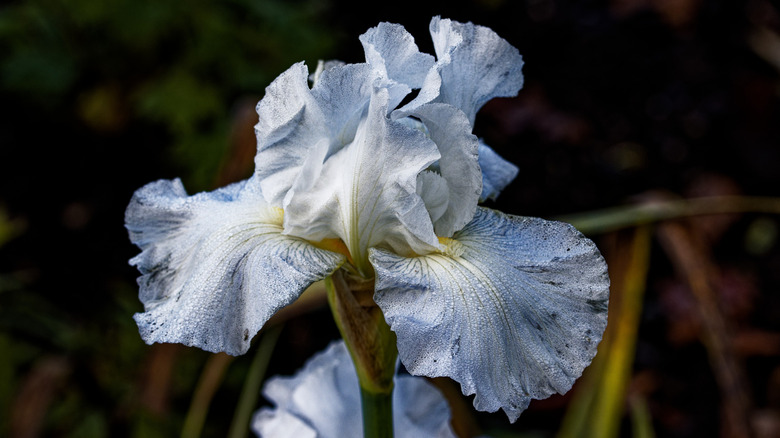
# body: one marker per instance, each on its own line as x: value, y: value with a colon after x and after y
x: 215, y: 266
x: 367, y: 193
x: 392, y: 52
x: 448, y: 127
x: 513, y: 308
x: 299, y: 127
x: 323, y: 400
x: 475, y: 65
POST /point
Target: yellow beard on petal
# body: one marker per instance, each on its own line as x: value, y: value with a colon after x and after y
x: 451, y: 247
x: 274, y: 216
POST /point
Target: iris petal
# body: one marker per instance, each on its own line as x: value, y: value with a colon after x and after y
x: 215, y: 266
x: 497, y: 172
x: 512, y: 309
x: 475, y: 65
x: 367, y: 193
x: 448, y: 127
x: 391, y: 50
x: 299, y: 127
x: 434, y: 192
x: 323, y: 400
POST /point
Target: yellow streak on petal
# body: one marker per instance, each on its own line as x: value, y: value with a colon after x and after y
x: 275, y: 216
x: 334, y: 245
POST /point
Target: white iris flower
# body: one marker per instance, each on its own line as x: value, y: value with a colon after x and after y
x: 323, y: 399
x: 349, y: 178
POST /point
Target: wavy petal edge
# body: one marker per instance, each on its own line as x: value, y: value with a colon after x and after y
x: 513, y: 308
x: 215, y: 266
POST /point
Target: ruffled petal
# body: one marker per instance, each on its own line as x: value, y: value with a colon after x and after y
x: 513, y: 308
x: 391, y: 50
x: 299, y: 128
x: 434, y: 192
x: 325, y: 398
x: 497, y: 172
x: 323, y: 65
x: 448, y: 127
x: 475, y: 65
x: 283, y: 146
x: 342, y: 93
x: 215, y: 266
x: 367, y: 193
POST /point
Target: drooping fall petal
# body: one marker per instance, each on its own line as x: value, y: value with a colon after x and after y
x: 512, y: 309
x: 215, y: 265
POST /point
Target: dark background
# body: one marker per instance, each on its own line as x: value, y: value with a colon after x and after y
x: 621, y: 99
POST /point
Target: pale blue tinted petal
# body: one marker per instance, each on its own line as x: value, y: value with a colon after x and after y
x: 497, y: 172
x: 392, y: 50
x: 513, y: 309
x: 321, y: 67
x: 475, y: 65
x: 325, y: 396
x: 299, y: 127
x: 289, y: 125
x: 367, y: 194
x: 272, y: 423
x: 434, y: 192
x: 448, y: 127
x: 342, y: 93
x: 428, y: 93
x: 419, y: 409
x: 215, y: 266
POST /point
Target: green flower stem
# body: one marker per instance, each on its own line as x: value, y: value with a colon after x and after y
x: 377, y: 414
x: 371, y: 345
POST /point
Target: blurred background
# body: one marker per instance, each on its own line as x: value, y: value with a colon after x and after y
x: 655, y: 110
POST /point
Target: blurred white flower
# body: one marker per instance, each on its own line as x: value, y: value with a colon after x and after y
x: 323, y: 400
